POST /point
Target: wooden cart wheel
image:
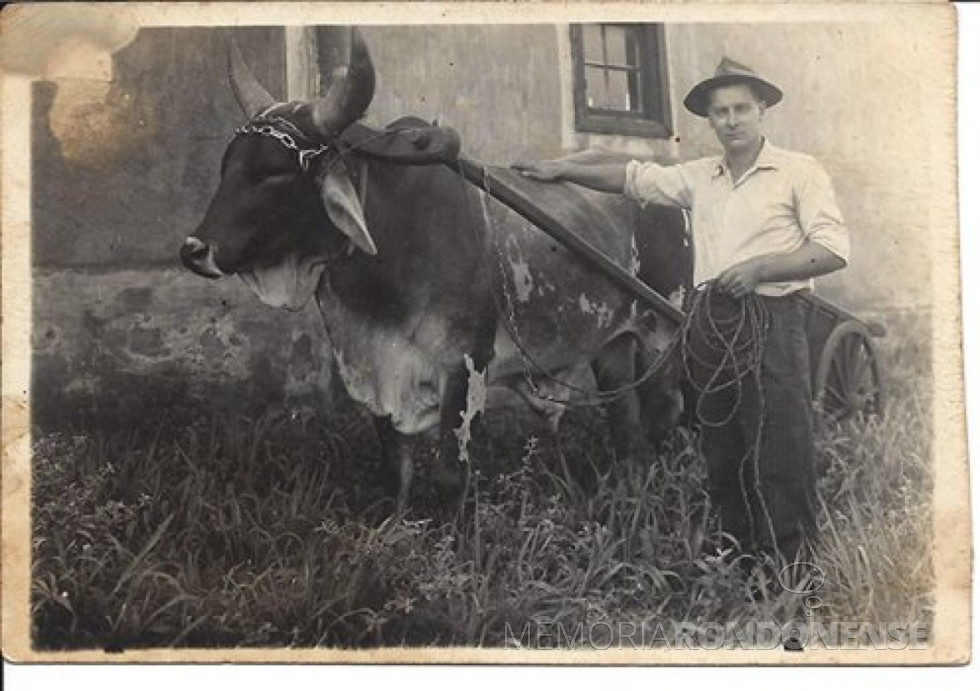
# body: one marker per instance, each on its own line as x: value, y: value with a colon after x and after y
x: 848, y: 378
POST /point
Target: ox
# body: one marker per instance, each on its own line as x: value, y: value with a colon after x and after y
x: 424, y: 284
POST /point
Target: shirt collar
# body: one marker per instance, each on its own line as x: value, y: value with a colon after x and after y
x: 767, y: 160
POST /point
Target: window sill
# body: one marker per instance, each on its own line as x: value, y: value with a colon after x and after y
x: 619, y: 125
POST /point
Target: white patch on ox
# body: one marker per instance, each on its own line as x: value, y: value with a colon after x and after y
x: 392, y: 378
x: 602, y: 311
x: 677, y: 297
x: 523, y: 285
x: 289, y: 283
x: 476, y: 399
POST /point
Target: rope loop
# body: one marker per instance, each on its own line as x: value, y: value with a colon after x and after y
x: 722, y: 342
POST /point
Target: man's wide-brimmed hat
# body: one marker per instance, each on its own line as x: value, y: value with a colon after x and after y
x: 730, y: 72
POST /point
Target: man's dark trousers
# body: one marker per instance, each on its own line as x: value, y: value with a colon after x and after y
x: 766, y: 499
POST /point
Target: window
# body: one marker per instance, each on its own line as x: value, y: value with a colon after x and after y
x: 620, y: 79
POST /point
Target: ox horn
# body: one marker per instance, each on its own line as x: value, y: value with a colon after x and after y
x: 351, y: 87
x: 251, y: 96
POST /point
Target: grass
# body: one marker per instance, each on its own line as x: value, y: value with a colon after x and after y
x: 211, y: 529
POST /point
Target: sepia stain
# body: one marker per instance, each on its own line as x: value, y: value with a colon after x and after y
x: 50, y: 42
x: 16, y: 425
x: 98, y: 124
x: 95, y: 120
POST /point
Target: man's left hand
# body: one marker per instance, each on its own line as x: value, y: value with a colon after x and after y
x: 741, y: 279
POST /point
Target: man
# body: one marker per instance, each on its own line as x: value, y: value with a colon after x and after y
x: 764, y: 222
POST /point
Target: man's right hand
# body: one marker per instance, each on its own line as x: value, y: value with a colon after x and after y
x: 545, y: 171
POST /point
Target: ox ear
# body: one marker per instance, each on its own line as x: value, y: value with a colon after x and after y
x: 344, y: 208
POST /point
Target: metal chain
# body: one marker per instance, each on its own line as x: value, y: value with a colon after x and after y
x: 268, y: 129
x: 266, y: 125
x: 510, y: 313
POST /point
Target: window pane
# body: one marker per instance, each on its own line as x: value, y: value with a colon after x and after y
x: 633, y: 50
x: 638, y: 99
x: 595, y: 87
x: 618, y: 97
x: 615, y: 45
x: 592, y: 42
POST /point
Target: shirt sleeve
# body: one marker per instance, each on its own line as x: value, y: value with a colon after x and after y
x: 656, y: 184
x: 819, y: 216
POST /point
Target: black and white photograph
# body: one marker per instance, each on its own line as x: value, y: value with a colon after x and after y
x: 490, y: 333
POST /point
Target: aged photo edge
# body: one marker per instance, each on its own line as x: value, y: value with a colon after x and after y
x: 952, y: 552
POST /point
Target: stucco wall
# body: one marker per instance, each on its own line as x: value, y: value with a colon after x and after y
x: 849, y: 101
x: 125, y: 344
x: 498, y: 86
x: 122, y: 171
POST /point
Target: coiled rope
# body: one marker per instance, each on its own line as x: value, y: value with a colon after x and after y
x: 722, y: 344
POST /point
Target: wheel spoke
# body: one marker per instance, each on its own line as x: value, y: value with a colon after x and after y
x: 862, y: 365
x: 860, y: 357
x: 841, y: 398
x: 867, y: 380
x: 852, y: 346
x: 839, y: 372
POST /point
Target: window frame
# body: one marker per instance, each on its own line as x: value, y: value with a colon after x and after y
x: 654, y: 121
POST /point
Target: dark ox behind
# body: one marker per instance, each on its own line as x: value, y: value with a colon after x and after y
x: 424, y: 285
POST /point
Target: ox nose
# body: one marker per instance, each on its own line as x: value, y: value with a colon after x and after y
x: 198, y: 256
